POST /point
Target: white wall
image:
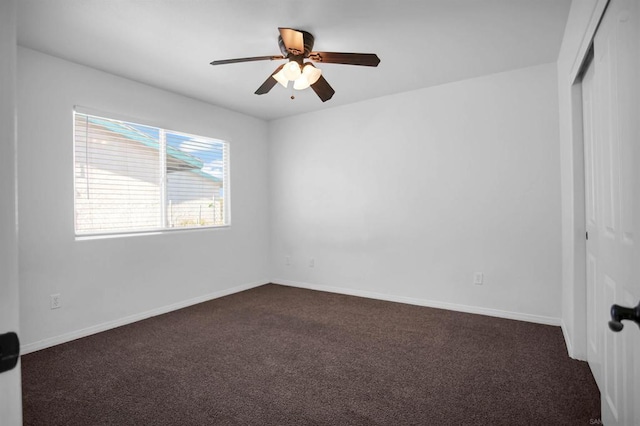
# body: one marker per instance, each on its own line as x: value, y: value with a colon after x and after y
x: 10, y: 390
x: 583, y: 18
x: 106, y: 282
x: 405, y: 197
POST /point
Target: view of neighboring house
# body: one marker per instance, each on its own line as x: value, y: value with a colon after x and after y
x: 127, y: 178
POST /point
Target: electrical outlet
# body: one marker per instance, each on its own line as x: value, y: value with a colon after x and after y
x: 312, y: 262
x: 55, y: 301
x: 478, y: 278
x: 287, y: 260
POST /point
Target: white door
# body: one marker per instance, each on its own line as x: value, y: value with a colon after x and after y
x: 10, y: 393
x: 611, y: 94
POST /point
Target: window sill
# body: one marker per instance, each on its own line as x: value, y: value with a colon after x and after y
x: 91, y: 237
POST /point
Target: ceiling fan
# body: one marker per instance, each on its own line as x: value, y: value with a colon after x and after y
x: 296, y: 46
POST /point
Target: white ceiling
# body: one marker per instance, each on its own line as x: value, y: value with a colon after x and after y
x: 169, y: 43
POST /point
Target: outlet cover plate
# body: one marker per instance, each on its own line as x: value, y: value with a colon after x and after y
x: 478, y: 278
x: 55, y: 301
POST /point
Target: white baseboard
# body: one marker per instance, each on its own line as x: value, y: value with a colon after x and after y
x: 539, y: 319
x: 573, y: 351
x: 567, y: 340
x: 73, y: 335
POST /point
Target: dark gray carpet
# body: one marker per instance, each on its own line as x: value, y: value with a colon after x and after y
x: 276, y: 355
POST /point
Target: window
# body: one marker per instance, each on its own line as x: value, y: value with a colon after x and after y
x: 134, y: 178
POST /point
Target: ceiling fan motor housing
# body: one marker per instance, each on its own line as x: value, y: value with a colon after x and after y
x: 308, y: 46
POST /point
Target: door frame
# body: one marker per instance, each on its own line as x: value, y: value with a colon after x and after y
x: 574, y: 239
x: 10, y: 381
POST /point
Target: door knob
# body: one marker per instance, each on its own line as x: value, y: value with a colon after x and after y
x: 9, y: 351
x: 619, y: 313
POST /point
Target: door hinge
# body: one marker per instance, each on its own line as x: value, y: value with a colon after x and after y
x: 587, y: 235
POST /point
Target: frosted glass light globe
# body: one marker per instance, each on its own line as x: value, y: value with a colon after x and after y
x: 292, y: 71
x: 310, y: 74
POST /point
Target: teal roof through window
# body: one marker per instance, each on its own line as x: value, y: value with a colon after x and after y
x: 192, y: 163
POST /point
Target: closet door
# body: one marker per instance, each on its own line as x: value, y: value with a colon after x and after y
x: 612, y: 154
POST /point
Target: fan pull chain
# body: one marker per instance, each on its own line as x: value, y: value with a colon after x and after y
x: 292, y: 96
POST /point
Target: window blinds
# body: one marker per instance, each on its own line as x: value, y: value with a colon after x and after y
x: 135, y: 178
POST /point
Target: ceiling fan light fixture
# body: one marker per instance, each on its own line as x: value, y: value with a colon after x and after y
x: 292, y: 71
x: 280, y: 78
x: 311, y: 73
x: 301, y: 83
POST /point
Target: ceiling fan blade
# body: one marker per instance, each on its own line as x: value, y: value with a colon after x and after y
x: 268, y: 83
x: 293, y: 40
x: 364, y: 59
x: 323, y: 89
x: 254, y: 58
